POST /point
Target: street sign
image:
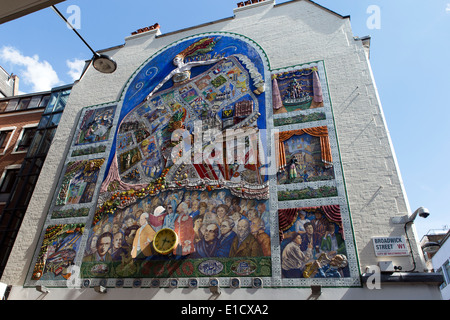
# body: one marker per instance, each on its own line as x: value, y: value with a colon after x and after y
x: 390, y: 246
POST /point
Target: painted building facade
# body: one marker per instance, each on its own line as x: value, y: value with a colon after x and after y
x: 250, y: 153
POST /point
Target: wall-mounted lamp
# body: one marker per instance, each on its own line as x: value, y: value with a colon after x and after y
x: 214, y: 288
x: 431, y: 247
x: 42, y: 289
x: 101, y: 62
x: 316, y: 291
x: 100, y: 289
x: 155, y: 283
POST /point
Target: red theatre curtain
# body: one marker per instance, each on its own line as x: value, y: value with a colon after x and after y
x: 287, y: 217
x: 321, y: 132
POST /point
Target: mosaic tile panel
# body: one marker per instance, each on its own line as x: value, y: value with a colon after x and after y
x: 193, y: 146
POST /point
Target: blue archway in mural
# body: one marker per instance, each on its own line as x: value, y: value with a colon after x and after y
x: 241, y: 54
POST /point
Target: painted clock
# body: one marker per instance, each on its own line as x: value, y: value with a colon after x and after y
x: 165, y: 241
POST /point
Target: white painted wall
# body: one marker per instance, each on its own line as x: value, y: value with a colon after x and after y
x: 438, y: 261
x: 291, y: 33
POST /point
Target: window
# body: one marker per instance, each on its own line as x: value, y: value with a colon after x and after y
x: 44, y: 121
x: 3, y: 105
x: 31, y: 102
x: 34, y: 103
x: 23, y: 186
x: 5, y: 136
x: 26, y: 139
x: 63, y: 97
x: 44, y: 101
x: 55, y: 120
x: 57, y: 101
x: 447, y: 271
x: 51, y: 103
x: 12, y: 104
x: 23, y: 103
x: 444, y: 283
x: 8, y: 180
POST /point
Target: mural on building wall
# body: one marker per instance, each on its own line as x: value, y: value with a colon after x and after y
x: 299, y: 93
x: 178, y: 184
x: 312, y: 243
x: 79, y: 182
x: 188, y: 146
x: 58, y: 251
x: 296, y: 90
x: 176, y: 133
x: 302, y: 160
x: 70, y: 213
x: 213, y: 226
x: 95, y: 125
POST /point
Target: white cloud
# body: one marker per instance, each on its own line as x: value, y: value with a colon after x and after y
x: 447, y: 9
x: 76, y: 67
x: 39, y: 74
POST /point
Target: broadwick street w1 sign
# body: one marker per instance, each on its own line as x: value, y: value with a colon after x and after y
x: 390, y: 246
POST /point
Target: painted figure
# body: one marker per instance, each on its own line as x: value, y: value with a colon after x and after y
x: 104, y: 244
x: 227, y: 236
x: 293, y: 169
x: 245, y: 244
x: 144, y: 236
x: 124, y: 252
x: 182, y: 73
x: 184, y: 227
x: 208, y: 245
x: 293, y: 258
x: 333, y: 268
x: 257, y: 228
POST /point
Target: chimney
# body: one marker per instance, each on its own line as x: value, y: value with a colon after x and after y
x: 15, y: 85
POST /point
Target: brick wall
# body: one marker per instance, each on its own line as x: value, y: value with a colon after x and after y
x: 18, y: 120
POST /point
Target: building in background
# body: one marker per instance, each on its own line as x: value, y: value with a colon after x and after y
x: 27, y: 127
x: 437, y: 257
x: 432, y: 236
x: 9, y: 84
x: 249, y: 153
x: 20, y: 116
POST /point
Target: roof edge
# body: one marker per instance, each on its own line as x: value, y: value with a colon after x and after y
x: 317, y: 5
x: 161, y: 35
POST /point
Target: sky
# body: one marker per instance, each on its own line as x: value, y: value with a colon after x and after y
x: 410, y: 58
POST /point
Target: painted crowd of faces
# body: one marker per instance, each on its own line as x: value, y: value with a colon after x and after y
x: 209, y: 224
x: 313, y: 247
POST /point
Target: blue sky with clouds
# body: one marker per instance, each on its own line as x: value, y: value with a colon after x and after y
x: 410, y: 52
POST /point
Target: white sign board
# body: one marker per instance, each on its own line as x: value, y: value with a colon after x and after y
x: 390, y: 246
